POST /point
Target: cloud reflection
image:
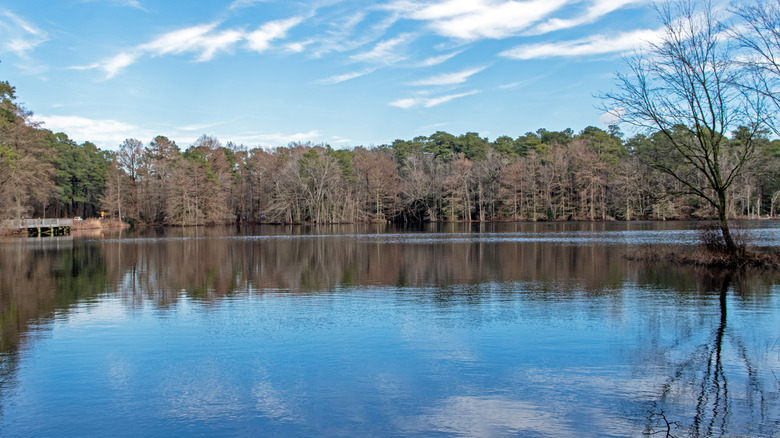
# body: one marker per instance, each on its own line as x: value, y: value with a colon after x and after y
x: 490, y: 416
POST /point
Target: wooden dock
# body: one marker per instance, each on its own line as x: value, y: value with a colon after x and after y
x: 41, y: 227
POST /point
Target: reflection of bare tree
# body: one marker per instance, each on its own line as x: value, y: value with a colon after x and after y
x: 705, y: 378
x: 211, y: 268
x: 38, y: 279
x: 712, y: 407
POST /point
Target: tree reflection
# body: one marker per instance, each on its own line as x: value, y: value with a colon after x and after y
x: 705, y: 379
x: 708, y: 379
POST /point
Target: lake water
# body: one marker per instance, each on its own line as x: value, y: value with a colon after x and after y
x: 443, y: 330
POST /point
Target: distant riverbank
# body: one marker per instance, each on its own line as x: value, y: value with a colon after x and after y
x: 98, y: 224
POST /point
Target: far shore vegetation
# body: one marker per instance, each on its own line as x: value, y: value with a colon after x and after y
x: 707, y: 107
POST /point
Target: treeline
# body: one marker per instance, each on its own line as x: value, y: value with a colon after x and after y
x: 544, y: 175
x: 43, y: 173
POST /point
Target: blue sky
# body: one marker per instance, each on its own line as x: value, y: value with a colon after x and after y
x: 348, y: 73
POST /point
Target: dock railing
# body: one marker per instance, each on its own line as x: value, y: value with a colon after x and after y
x: 38, y: 223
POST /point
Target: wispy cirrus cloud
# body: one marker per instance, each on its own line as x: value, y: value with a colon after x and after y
x: 340, y: 34
x: 278, y: 138
x: 128, y: 3
x: 436, y: 60
x: 337, y: 79
x: 238, y: 4
x: 201, y: 40
x: 592, y: 45
x: 297, y: 46
x: 198, y: 127
x: 524, y: 82
x: 117, y: 63
x: 449, y: 78
x: 593, y: 13
x: 385, y: 52
x: 20, y: 35
x: 260, y: 39
x: 472, y: 20
x: 205, y: 41
x: 428, y: 102
x: 351, y: 31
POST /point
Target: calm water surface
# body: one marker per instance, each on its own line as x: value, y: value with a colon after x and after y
x: 444, y: 330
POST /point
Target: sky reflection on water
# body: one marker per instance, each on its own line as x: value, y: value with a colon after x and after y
x: 405, y: 334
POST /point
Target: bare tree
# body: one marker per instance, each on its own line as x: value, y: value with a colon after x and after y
x: 421, y: 185
x: 511, y: 190
x: 156, y: 161
x: 380, y: 181
x: 687, y: 87
x: 760, y: 36
x: 459, y: 184
x: 488, y: 176
x: 112, y: 196
x: 129, y: 159
x: 319, y: 174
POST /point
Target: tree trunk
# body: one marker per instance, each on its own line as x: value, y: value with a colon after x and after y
x: 731, y: 247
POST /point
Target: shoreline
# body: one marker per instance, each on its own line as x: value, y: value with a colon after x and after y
x: 77, y: 227
x: 114, y: 224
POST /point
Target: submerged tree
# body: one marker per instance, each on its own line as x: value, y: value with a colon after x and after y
x: 688, y: 88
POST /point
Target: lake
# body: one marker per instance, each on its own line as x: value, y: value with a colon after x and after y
x: 532, y: 329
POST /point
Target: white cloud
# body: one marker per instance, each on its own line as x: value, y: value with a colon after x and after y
x: 200, y: 127
x: 340, y: 35
x: 107, y: 134
x: 198, y: 39
x: 298, y: 46
x: 613, y: 116
x: 525, y: 81
x: 178, y: 41
x: 111, y: 66
x: 260, y: 40
x: 351, y: 29
x: 222, y: 41
x: 592, y: 45
x: 340, y: 140
x: 337, y: 79
x: 117, y: 63
x: 436, y: 60
x: 478, y: 19
x: 132, y: 4
x: 472, y: 20
x: 449, y: 78
x: 408, y: 102
x: 20, y: 36
x: 448, y: 9
x: 385, y: 52
x: 598, y: 9
x: 237, y: 4
x: 21, y: 46
x: 129, y: 3
x: 428, y: 102
x: 203, y: 40
x: 278, y: 138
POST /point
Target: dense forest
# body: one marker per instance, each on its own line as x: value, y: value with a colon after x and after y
x: 595, y: 174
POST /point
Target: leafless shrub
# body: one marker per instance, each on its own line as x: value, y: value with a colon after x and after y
x: 712, y: 240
